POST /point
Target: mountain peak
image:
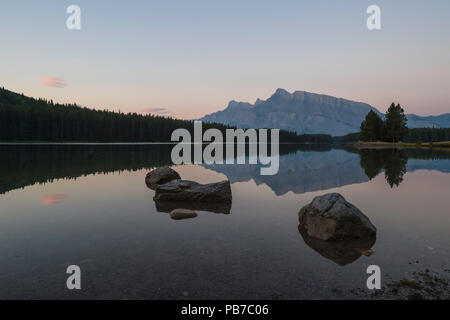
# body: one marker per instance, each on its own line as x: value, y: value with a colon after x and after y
x: 281, y: 93
x: 258, y: 101
x: 233, y: 104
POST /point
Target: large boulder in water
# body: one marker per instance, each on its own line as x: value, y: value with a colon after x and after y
x: 160, y: 176
x: 190, y: 191
x: 331, y: 217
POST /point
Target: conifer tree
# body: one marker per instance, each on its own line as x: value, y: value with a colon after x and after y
x: 395, y: 123
x: 371, y: 127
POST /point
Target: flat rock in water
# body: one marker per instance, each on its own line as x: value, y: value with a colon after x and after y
x: 183, y: 190
x: 160, y: 176
x: 180, y: 214
x: 331, y: 217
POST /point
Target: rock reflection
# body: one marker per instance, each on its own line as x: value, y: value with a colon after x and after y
x: 167, y: 207
x: 341, y: 252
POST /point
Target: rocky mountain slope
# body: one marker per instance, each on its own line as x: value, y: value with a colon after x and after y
x: 305, y: 112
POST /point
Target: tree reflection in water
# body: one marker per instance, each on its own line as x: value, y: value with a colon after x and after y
x: 392, y: 161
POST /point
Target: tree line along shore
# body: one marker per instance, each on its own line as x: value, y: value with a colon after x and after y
x: 25, y: 119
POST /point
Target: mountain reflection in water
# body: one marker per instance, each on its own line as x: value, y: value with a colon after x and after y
x: 302, y: 168
x: 309, y: 171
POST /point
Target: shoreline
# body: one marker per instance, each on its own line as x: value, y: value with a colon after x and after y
x: 445, y: 145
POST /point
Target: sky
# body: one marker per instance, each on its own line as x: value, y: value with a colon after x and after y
x: 188, y: 58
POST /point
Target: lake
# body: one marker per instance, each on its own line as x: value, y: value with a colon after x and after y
x: 88, y: 205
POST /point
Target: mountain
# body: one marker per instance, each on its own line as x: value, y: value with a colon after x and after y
x: 441, y: 121
x: 305, y: 112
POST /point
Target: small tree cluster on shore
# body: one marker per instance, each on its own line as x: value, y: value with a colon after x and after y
x: 392, y: 129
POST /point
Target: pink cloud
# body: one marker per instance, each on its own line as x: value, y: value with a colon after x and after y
x: 52, y: 82
x: 155, y: 110
x: 50, y: 199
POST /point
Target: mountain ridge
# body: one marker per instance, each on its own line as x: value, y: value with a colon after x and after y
x: 306, y: 112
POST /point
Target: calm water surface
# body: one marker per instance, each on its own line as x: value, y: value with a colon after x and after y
x: 89, y: 206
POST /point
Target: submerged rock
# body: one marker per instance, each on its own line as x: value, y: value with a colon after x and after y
x: 331, y: 217
x: 190, y: 191
x: 180, y: 214
x: 160, y: 176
